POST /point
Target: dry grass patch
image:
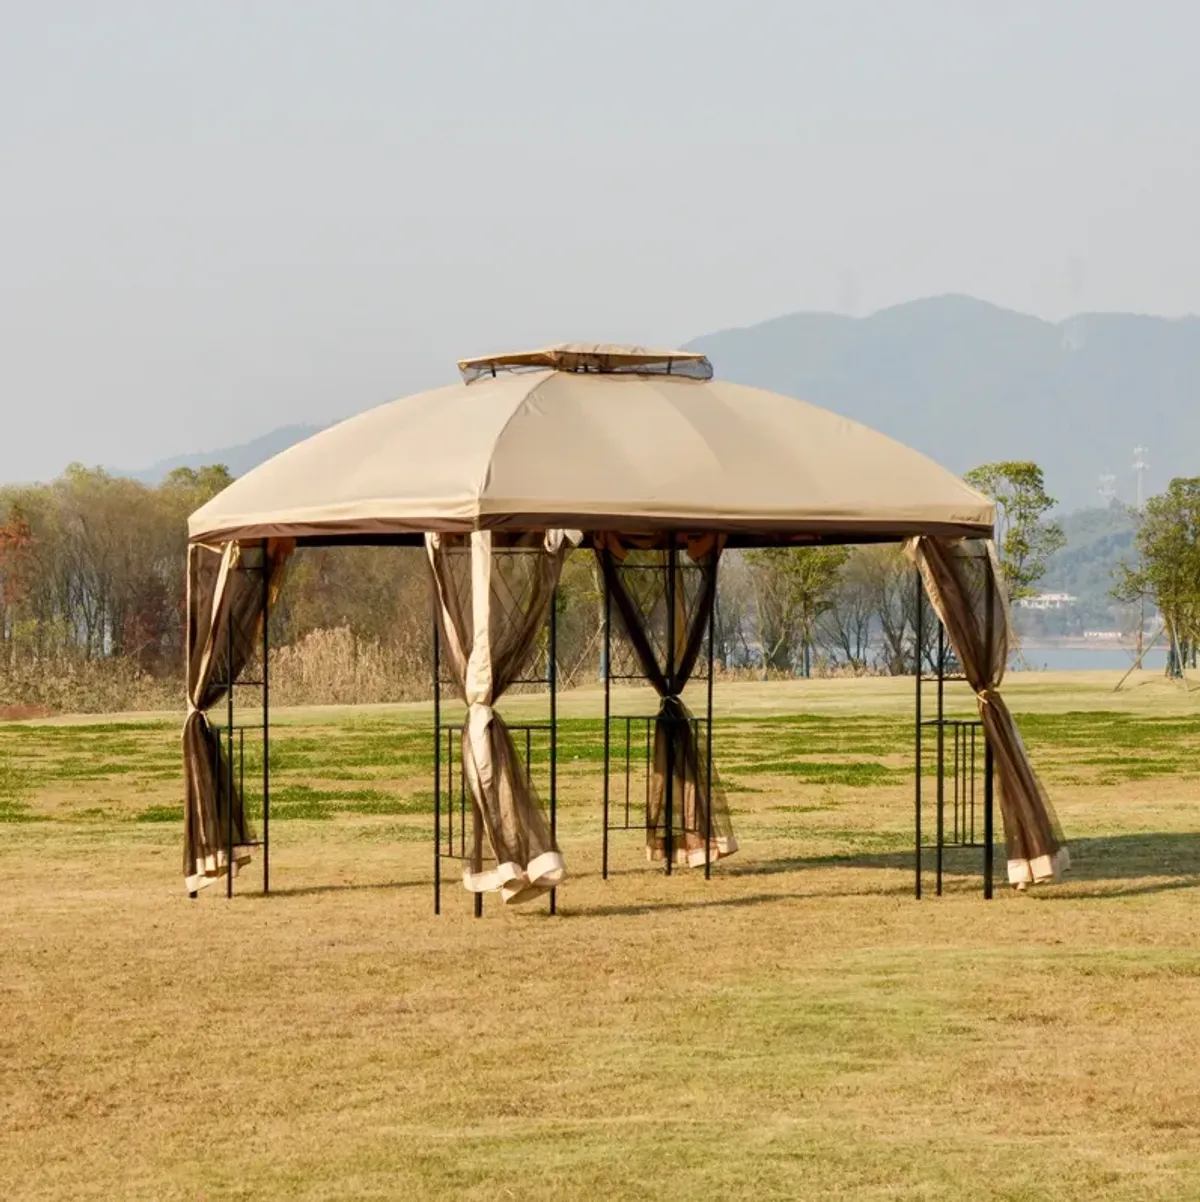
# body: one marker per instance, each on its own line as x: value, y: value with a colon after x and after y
x: 798, y: 1027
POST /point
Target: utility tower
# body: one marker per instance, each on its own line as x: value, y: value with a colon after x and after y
x: 1141, y: 466
x: 1108, y: 486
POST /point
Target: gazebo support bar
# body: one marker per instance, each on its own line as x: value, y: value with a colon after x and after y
x: 669, y: 780
x: 941, y: 754
x: 266, y: 715
x: 708, y: 806
x: 474, y: 849
x: 668, y: 572
x: 437, y: 766
x: 963, y: 765
x: 606, y: 653
x: 234, y: 736
x: 552, y: 674
x: 988, y: 816
x: 919, y: 632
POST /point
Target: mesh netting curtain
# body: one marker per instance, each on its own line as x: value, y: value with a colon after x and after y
x: 698, y: 803
x: 492, y: 604
x: 225, y: 596
x: 963, y: 582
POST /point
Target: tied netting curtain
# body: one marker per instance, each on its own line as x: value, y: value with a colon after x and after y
x: 963, y: 581
x: 492, y: 605
x: 225, y: 597
x: 667, y: 646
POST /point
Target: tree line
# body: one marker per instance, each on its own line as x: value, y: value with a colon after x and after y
x: 1167, y: 570
x: 92, y: 588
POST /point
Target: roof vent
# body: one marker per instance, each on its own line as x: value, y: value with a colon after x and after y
x: 586, y: 357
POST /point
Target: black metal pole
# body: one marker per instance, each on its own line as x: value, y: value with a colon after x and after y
x: 941, y: 750
x: 476, y: 828
x: 920, y: 637
x: 988, y: 821
x: 552, y: 672
x: 266, y: 710
x: 988, y: 764
x: 708, y: 797
x: 607, y: 653
x: 973, y: 757
x: 229, y: 711
x: 216, y: 770
x: 437, y: 764
x: 476, y: 837
x: 450, y: 799
x: 628, y: 757
x: 669, y: 725
x: 958, y: 730
x: 649, y: 771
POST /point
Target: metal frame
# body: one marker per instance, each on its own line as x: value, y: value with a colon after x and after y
x: 444, y: 849
x: 669, y: 566
x: 231, y: 736
x: 964, y: 732
x: 964, y: 746
x: 225, y: 734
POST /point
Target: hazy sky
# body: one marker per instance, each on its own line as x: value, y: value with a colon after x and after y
x: 218, y: 217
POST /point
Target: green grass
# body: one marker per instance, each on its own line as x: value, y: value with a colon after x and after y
x: 798, y: 1027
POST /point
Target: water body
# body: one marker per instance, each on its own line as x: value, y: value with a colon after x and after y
x: 1083, y: 659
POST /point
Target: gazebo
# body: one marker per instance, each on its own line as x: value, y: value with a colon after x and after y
x: 657, y: 467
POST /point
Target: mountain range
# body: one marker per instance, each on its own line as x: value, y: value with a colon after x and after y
x: 964, y: 381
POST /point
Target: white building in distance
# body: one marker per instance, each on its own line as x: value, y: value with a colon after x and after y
x: 1048, y: 601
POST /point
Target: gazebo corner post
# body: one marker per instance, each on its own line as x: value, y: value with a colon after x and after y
x: 266, y: 715
x: 708, y: 736
x: 437, y: 766
x: 941, y: 751
x: 669, y: 726
x: 958, y: 731
x: 229, y: 736
x: 552, y: 675
x: 476, y: 826
x: 919, y: 634
x: 988, y: 822
x: 988, y: 761
x: 607, y: 653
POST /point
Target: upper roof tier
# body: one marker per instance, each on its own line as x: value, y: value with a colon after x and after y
x: 594, y: 437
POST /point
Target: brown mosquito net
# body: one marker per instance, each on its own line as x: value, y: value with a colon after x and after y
x: 591, y: 358
x: 666, y: 623
x: 492, y: 607
x: 225, y: 608
x: 963, y: 581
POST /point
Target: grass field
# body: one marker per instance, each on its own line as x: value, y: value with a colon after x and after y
x: 798, y: 1027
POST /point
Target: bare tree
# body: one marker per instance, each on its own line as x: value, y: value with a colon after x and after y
x: 793, y: 587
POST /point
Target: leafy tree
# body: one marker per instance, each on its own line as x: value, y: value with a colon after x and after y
x: 16, y: 548
x: 793, y: 587
x: 1169, y: 569
x: 1024, y: 538
x: 193, y: 486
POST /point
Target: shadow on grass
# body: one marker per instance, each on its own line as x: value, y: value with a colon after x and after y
x: 634, y: 909
x: 1145, y: 856
x: 1132, y: 865
x: 315, y: 890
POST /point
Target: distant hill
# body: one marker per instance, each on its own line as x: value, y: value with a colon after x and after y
x: 1099, y: 540
x: 238, y: 459
x: 967, y: 382
x: 964, y: 381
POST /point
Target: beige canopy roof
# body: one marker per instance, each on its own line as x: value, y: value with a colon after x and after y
x: 597, y: 438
